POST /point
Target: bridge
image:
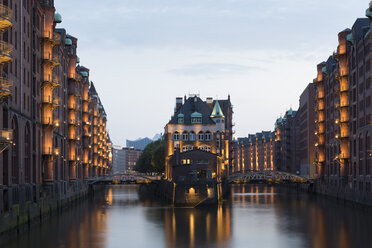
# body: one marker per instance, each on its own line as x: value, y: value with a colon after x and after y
x: 267, y: 176
x: 124, y: 178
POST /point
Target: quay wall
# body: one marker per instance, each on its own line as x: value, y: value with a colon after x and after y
x: 22, y: 205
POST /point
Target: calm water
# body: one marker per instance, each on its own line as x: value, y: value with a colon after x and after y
x: 255, y: 216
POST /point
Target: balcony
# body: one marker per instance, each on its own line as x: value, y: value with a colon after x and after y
x: 72, y: 107
x: 5, y: 87
x: 51, y: 101
x: 72, y: 122
x: 5, y: 52
x: 52, y: 37
x: 341, y: 73
x: 52, y: 81
x: 47, y: 151
x: 51, y: 59
x: 74, y: 91
x: 6, y: 135
x: 48, y: 121
x: 72, y: 136
x: 87, y: 134
x: 344, y: 156
x: 5, y: 17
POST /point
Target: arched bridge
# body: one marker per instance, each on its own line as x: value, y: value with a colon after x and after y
x: 124, y: 178
x: 267, y: 176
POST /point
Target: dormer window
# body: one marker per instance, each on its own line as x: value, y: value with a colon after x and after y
x: 180, y: 118
x: 196, y: 118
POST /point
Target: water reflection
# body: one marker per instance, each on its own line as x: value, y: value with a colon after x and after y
x: 254, y: 216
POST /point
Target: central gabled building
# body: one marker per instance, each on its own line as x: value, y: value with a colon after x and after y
x: 198, y: 139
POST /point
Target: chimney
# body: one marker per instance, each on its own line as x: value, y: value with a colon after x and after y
x: 178, y: 104
x: 210, y: 102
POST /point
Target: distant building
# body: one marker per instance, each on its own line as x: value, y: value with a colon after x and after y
x: 305, y: 136
x: 131, y: 157
x: 139, y: 144
x: 286, y: 149
x: 254, y: 153
x: 118, y: 160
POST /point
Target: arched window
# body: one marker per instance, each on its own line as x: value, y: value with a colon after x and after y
x: 201, y: 136
x: 192, y: 136
x: 176, y: 136
x: 185, y: 136
x: 208, y: 136
x: 360, y: 150
x: 15, y: 152
x: 368, y: 154
x: 27, y: 154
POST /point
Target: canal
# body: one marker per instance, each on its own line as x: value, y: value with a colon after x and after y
x: 254, y: 216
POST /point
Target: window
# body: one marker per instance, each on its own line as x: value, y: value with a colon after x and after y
x: 185, y: 136
x: 192, y: 136
x: 180, y: 120
x: 208, y: 136
x: 201, y: 136
x: 186, y: 161
x: 176, y: 136
x: 195, y: 120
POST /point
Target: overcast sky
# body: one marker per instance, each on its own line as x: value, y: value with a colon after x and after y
x: 144, y: 53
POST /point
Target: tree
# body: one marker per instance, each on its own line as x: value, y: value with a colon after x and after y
x: 152, y: 158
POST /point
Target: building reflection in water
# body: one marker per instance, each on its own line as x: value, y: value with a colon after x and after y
x: 255, y: 216
x: 188, y: 227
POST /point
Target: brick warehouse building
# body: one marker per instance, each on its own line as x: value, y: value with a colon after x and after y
x: 343, y: 83
x: 198, y: 139
x: 53, y: 124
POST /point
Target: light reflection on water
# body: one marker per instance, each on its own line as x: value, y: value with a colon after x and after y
x: 254, y: 216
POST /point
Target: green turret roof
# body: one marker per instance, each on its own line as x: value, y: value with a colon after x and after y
x: 57, y: 18
x: 217, y: 111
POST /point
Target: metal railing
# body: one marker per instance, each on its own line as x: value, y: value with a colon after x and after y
x: 51, y: 100
x: 54, y: 79
x: 51, y: 57
x: 5, y: 12
x: 6, y: 48
x: 5, y: 86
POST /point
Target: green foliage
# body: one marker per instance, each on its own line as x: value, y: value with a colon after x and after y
x: 152, y: 158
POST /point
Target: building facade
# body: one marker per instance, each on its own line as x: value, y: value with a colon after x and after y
x: 53, y: 124
x: 343, y: 153
x: 131, y: 157
x: 305, y: 133
x: 198, y: 140
x: 286, y: 148
x: 118, y: 160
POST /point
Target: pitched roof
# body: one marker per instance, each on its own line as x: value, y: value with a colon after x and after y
x: 191, y: 105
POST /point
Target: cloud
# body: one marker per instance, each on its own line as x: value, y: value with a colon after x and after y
x: 212, y: 70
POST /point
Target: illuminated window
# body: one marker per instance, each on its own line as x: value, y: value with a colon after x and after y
x: 186, y: 161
